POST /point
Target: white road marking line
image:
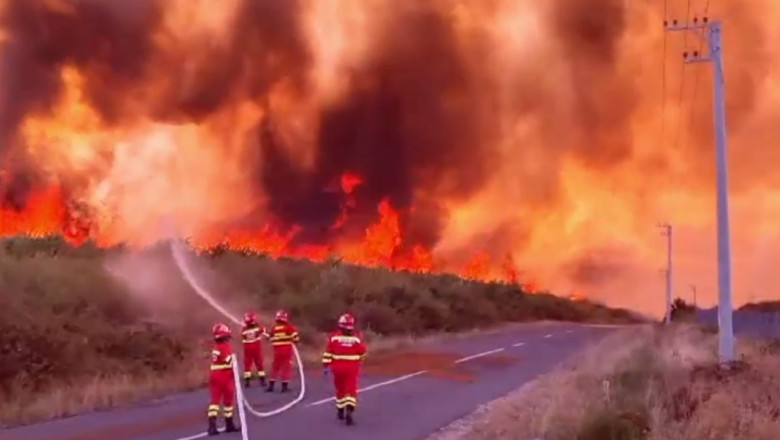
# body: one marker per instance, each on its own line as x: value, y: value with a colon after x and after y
x: 193, y: 437
x: 478, y: 355
x: 548, y: 335
x: 371, y: 387
x: 519, y: 344
x: 408, y: 376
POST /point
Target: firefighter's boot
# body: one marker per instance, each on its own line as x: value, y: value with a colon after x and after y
x: 229, y: 425
x: 350, y: 416
x: 285, y: 387
x: 212, y: 426
x: 247, y: 381
x: 340, y: 414
x: 270, y: 388
x: 262, y: 380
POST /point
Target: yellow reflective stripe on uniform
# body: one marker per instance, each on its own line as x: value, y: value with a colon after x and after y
x: 345, y: 402
x: 228, y: 363
x: 228, y: 411
x: 213, y: 410
x: 250, y: 336
x: 346, y: 339
x: 216, y: 367
x: 276, y: 343
x: 346, y: 357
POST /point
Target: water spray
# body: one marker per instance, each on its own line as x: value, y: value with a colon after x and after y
x: 177, y: 250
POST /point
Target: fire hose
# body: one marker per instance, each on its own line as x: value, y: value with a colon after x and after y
x: 178, y: 255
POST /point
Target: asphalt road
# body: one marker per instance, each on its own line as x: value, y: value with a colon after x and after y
x: 406, y: 396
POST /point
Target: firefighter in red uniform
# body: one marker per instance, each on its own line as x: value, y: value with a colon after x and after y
x: 343, y: 357
x: 221, y: 381
x: 283, y: 336
x: 251, y: 335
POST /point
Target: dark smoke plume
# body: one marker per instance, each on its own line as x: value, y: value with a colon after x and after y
x: 417, y: 122
x: 398, y: 126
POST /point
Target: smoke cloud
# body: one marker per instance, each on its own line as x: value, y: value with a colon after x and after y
x: 537, y: 129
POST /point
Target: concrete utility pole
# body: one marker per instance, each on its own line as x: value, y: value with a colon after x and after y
x: 667, y: 232
x: 693, y: 288
x: 714, y: 39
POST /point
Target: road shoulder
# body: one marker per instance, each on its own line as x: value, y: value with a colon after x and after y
x: 526, y: 411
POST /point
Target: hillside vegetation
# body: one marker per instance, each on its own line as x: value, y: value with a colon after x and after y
x: 86, y: 328
x: 761, y: 306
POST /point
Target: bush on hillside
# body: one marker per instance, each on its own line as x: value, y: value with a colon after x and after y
x: 683, y: 311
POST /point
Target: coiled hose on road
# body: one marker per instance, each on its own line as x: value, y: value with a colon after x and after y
x: 177, y: 249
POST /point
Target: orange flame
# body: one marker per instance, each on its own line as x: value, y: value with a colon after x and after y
x: 382, y: 244
x: 546, y: 129
x: 349, y: 181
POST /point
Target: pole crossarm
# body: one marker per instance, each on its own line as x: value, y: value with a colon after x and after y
x: 695, y: 57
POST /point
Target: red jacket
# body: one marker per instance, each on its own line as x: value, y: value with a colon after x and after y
x: 252, y: 333
x: 344, y: 350
x: 222, y: 359
x: 283, y: 334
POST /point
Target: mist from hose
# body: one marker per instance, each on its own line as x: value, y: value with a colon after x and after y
x: 178, y: 252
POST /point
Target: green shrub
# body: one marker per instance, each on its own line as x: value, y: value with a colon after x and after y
x: 614, y: 425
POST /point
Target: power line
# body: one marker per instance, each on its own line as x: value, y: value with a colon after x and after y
x: 698, y: 71
x: 678, y: 128
x: 663, y: 76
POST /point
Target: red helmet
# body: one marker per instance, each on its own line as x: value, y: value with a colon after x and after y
x: 221, y: 330
x: 282, y: 316
x: 347, y: 321
x: 250, y: 317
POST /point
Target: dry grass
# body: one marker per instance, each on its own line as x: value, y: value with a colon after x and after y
x: 642, y: 383
x: 69, y: 316
x: 95, y: 393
